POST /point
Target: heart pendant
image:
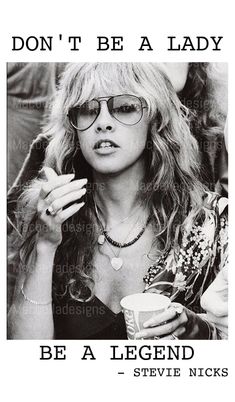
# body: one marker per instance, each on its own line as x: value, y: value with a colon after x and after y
x: 116, y: 263
x: 101, y: 239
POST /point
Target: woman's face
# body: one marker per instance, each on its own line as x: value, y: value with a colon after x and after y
x: 110, y: 146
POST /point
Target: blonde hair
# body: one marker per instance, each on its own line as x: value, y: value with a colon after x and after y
x: 172, y: 188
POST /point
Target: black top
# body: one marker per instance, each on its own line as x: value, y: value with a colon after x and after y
x: 88, y: 320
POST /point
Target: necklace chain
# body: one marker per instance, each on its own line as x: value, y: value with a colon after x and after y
x: 109, y: 243
x: 104, y: 232
x: 116, y: 224
x: 116, y: 261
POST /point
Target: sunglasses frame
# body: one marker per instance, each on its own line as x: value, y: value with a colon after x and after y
x: 106, y: 99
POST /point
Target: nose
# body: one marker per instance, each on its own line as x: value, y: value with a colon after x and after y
x: 105, y: 121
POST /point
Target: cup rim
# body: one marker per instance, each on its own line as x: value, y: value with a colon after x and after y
x: 126, y: 304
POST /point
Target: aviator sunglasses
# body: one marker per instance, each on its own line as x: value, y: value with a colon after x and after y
x: 127, y: 109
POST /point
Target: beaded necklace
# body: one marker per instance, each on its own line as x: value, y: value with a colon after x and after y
x: 116, y: 261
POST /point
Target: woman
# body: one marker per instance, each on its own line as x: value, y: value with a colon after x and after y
x: 202, y: 88
x: 118, y: 209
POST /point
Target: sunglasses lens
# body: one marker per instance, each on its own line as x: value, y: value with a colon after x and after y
x: 83, y: 116
x: 126, y: 108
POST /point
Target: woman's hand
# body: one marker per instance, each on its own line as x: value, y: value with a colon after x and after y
x: 54, y: 196
x: 176, y: 322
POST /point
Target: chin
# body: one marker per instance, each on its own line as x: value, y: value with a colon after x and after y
x: 109, y: 171
x: 109, y: 168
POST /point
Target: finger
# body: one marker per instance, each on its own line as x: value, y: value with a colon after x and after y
x: 49, y: 173
x: 177, y: 333
x: 65, y: 189
x: 68, y: 212
x: 164, y: 329
x: 66, y: 199
x: 157, y: 319
x: 58, y: 181
x: 178, y: 307
x: 167, y: 315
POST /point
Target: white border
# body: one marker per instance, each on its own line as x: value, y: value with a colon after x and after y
x: 27, y: 378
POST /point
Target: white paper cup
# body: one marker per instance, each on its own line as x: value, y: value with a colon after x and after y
x: 139, y: 307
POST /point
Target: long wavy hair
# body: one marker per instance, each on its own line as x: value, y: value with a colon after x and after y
x: 172, y: 190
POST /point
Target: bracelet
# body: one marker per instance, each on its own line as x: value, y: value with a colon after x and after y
x: 33, y: 301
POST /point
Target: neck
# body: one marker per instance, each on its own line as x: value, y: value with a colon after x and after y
x: 118, y: 195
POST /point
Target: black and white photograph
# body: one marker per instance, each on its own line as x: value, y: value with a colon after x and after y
x: 117, y: 207
x: 116, y: 215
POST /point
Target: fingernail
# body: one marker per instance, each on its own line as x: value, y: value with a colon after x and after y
x: 79, y: 204
x: 70, y: 176
x: 179, y: 309
x: 147, y: 324
x: 140, y: 335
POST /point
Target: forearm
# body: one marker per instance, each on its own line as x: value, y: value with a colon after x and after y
x: 31, y: 316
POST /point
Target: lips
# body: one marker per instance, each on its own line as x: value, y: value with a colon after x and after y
x: 101, y: 144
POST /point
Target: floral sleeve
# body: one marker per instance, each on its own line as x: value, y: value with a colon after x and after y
x: 184, y: 275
